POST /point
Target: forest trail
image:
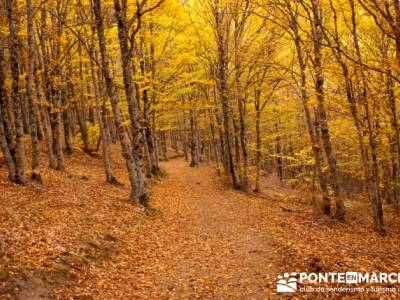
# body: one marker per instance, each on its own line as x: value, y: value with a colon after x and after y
x: 77, y: 237
x: 214, y: 245
x: 298, y: 100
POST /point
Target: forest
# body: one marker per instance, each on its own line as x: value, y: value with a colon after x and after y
x: 197, y: 149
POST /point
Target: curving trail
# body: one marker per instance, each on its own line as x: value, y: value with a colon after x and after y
x: 208, y: 242
x: 76, y: 237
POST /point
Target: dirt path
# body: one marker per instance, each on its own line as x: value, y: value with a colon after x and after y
x: 206, y: 241
x: 203, y: 242
x: 209, y: 238
x: 75, y: 237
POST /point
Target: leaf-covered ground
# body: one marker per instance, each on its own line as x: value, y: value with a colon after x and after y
x: 75, y: 237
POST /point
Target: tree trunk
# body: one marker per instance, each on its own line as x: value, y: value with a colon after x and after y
x: 19, y: 127
x: 241, y: 103
x: 29, y: 93
x: 4, y: 144
x: 278, y: 152
x: 322, y: 116
x: 223, y: 92
x: 372, y: 175
x: 141, y: 189
x: 136, y: 194
x: 101, y: 121
x: 81, y: 109
x: 326, y: 205
x: 258, y: 140
x: 47, y: 91
x: 194, y: 159
x: 53, y: 89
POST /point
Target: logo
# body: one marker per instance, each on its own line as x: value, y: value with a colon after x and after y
x: 287, y: 283
x: 291, y: 282
x: 352, y: 277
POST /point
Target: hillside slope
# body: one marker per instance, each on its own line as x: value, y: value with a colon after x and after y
x: 75, y: 236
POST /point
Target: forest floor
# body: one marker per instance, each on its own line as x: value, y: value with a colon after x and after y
x: 75, y: 237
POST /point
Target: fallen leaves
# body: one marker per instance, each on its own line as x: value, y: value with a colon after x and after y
x: 74, y: 238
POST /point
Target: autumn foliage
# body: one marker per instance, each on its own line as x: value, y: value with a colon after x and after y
x: 130, y: 116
